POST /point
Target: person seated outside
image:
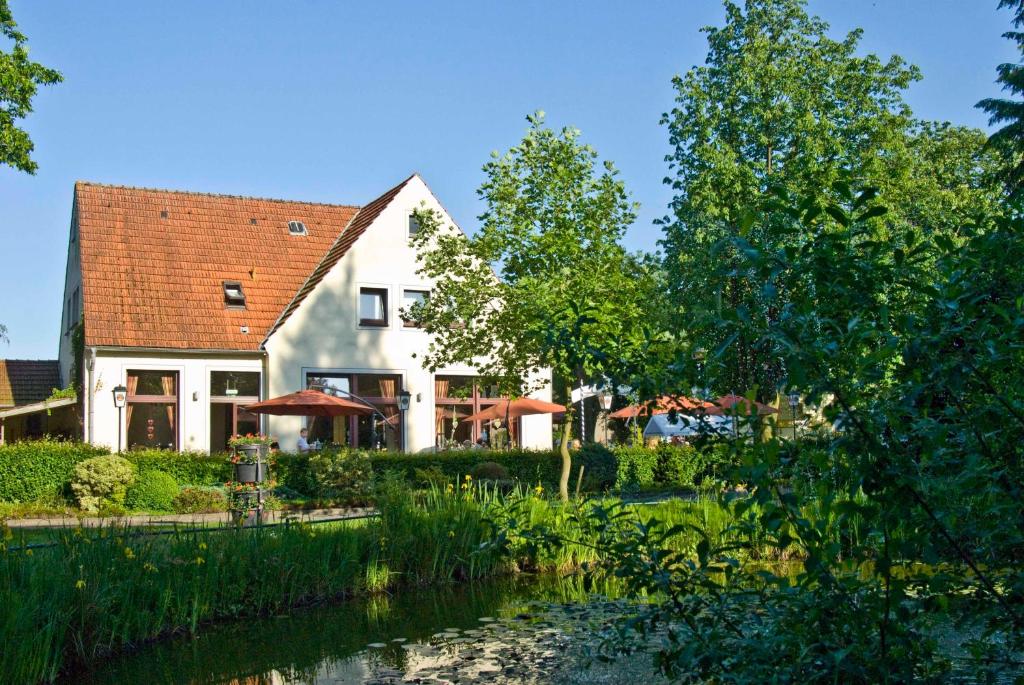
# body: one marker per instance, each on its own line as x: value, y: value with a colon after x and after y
x: 303, y: 444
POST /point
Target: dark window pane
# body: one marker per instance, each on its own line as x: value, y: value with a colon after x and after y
x: 234, y: 384
x: 152, y: 424
x: 372, y: 385
x: 458, y: 387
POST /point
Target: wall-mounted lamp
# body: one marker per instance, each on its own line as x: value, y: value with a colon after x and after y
x: 403, y: 400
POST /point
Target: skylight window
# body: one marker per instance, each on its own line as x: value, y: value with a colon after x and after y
x: 296, y: 228
x: 233, y: 295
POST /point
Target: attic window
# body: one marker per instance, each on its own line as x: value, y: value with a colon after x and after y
x: 414, y: 225
x: 233, y: 295
x: 296, y: 228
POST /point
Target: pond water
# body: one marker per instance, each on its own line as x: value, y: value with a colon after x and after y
x: 521, y: 630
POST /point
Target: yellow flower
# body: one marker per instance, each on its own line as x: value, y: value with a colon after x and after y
x: 202, y: 545
x: 468, y: 477
x: 465, y: 486
x: 28, y: 552
x: 80, y: 584
x: 451, y: 533
x: 128, y: 553
x: 200, y: 561
x: 149, y: 567
x: 539, y: 489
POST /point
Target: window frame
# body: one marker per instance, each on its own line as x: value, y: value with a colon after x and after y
x: 375, y: 324
x: 173, y: 400
x: 298, y: 224
x: 230, y: 302
x: 410, y: 220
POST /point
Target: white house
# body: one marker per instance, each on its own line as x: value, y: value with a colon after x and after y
x: 200, y: 304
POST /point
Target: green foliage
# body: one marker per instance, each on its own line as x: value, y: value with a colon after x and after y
x: 344, y: 474
x: 781, y: 106
x: 20, y: 77
x: 1009, y: 140
x: 199, y: 500
x: 152, y: 491
x: 489, y: 470
x: 102, y: 481
x: 187, y: 468
x: 554, y: 218
x: 41, y: 469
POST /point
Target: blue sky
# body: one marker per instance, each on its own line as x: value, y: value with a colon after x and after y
x: 337, y: 101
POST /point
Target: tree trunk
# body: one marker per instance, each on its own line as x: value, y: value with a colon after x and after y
x: 563, y: 483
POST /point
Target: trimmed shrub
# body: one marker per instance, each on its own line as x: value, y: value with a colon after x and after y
x: 293, y: 471
x: 636, y: 466
x: 342, y: 473
x: 677, y: 465
x: 152, y: 491
x: 102, y: 480
x: 40, y: 469
x: 200, y: 500
x: 489, y: 470
x: 187, y: 468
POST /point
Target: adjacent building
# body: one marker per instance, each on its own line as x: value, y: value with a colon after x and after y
x: 200, y: 304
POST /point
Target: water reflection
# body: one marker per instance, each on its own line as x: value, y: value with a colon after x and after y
x: 525, y: 629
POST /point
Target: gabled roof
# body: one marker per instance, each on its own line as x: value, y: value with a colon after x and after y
x: 154, y: 263
x: 360, y: 223
x: 24, y: 381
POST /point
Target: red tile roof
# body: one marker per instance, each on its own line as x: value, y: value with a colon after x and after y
x: 359, y: 224
x: 154, y: 263
x: 24, y: 381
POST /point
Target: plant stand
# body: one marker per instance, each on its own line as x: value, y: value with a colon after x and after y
x: 247, y: 506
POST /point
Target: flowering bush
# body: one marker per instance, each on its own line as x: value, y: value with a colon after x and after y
x: 249, y: 439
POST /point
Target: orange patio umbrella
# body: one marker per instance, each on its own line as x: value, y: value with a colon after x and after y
x: 737, y: 404
x: 513, y: 409
x: 309, y: 403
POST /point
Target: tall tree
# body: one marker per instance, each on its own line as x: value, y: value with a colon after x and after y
x: 779, y: 105
x: 545, y: 283
x: 1009, y: 139
x: 20, y: 78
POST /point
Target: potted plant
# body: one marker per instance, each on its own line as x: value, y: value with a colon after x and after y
x: 248, y: 455
x: 244, y: 502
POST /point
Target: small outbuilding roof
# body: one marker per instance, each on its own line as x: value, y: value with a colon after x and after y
x: 26, y: 381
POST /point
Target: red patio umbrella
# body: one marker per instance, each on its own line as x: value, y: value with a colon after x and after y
x: 664, y: 405
x: 309, y: 403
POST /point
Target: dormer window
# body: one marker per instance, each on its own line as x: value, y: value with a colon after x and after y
x: 233, y: 295
x: 296, y: 228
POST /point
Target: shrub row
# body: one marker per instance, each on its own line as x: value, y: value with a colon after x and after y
x: 43, y: 470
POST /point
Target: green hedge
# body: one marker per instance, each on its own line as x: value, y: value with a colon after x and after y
x: 40, y: 470
x: 188, y: 468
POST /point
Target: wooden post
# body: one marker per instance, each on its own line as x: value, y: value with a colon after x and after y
x: 579, y: 481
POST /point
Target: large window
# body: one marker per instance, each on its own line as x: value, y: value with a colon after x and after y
x: 152, y: 409
x: 373, y: 307
x: 455, y: 398
x: 229, y: 392
x: 382, y: 430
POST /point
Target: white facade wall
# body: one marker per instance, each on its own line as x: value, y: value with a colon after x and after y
x: 72, y: 289
x: 323, y: 334
x: 110, y: 368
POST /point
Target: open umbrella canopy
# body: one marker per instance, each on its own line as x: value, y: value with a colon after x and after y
x: 737, y: 404
x: 309, y: 403
x: 663, y: 405
x: 513, y: 409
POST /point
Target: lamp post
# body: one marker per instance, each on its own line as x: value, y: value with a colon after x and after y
x: 120, y: 399
x: 403, y: 406
x: 794, y: 400
x: 605, y: 400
